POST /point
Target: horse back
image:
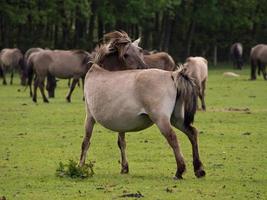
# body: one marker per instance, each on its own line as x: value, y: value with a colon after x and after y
x: 11, y: 57
x: 161, y: 60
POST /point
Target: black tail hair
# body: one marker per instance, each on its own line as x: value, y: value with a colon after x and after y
x: 188, y: 91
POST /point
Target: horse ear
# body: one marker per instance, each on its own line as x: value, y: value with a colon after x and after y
x: 136, y: 42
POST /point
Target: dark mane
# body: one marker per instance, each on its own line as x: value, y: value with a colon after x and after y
x: 116, y: 37
x: 100, y: 52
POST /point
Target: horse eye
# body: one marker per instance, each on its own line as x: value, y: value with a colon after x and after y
x: 141, y: 50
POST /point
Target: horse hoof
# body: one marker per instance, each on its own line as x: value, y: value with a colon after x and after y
x: 125, y: 170
x: 68, y: 100
x: 34, y: 100
x: 179, y: 177
x: 200, y: 173
x: 46, y: 101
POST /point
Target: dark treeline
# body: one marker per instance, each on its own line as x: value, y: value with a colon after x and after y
x: 180, y: 27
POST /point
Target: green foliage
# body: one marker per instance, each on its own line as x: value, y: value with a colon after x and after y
x: 73, y: 170
x: 163, y: 24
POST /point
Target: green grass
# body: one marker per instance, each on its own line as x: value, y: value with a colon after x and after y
x: 34, y: 138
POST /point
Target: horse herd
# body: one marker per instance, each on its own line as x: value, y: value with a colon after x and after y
x: 258, y: 58
x: 125, y: 90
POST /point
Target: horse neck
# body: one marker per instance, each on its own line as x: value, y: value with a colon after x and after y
x: 112, y: 63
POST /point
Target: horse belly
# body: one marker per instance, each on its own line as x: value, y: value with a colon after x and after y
x: 61, y: 72
x: 126, y: 124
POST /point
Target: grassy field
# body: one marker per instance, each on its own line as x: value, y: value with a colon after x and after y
x: 34, y: 138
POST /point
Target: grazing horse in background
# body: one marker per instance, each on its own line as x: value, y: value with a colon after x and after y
x: 236, y: 52
x: 197, y: 68
x: 132, y: 100
x: 56, y: 63
x: 30, y: 51
x: 10, y: 60
x: 258, y: 58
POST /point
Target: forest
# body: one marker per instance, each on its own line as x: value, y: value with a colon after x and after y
x: 180, y: 27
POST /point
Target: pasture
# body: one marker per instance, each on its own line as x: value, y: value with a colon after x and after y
x: 34, y: 138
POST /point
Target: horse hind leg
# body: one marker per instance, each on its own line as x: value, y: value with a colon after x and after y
x: 73, y: 84
x: 192, y: 135
x: 41, y: 86
x: 202, y: 95
x: 4, y: 75
x: 11, y: 77
x: 253, y: 69
x: 35, y: 86
x: 89, y: 125
x: 263, y: 69
x: 167, y: 131
x: 122, y: 146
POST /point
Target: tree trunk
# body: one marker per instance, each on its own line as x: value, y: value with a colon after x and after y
x: 189, y: 39
x: 156, y: 32
x: 92, y: 24
x: 215, y: 55
x: 100, y: 31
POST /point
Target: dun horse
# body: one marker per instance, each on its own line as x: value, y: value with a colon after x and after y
x: 236, y: 53
x: 10, y: 60
x: 197, y: 68
x: 132, y: 100
x: 258, y: 58
x: 57, y: 63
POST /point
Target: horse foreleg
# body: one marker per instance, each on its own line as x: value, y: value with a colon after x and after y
x: 89, y: 125
x: 41, y: 86
x: 73, y: 84
x: 122, y: 146
x: 165, y: 128
x: 83, y: 86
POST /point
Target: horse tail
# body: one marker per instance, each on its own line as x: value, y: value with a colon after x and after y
x: 187, y: 91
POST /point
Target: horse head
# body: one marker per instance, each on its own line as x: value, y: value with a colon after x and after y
x: 128, y: 52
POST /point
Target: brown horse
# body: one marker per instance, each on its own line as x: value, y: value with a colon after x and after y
x: 159, y: 60
x: 258, y: 58
x: 56, y: 63
x: 118, y: 53
x: 132, y: 105
x: 10, y: 60
x: 197, y: 68
x: 236, y: 53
